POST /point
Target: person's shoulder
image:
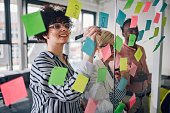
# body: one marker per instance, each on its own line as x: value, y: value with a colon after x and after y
x: 141, y: 47
x: 42, y: 56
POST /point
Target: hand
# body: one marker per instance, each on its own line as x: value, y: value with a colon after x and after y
x: 83, y: 103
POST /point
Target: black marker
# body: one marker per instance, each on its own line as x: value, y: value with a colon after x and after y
x: 117, y: 69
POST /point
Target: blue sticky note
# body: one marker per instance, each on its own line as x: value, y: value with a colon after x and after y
x: 121, y: 18
x: 162, y: 38
x: 103, y: 19
x: 88, y: 46
x: 140, y: 35
x: 163, y: 7
x: 122, y: 84
x: 155, y: 3
x: 148, y: 25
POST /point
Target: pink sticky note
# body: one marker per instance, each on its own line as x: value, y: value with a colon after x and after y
x: 134, y: 21
x: 91, y: 106
x: 132, y: 100
x: 133, y: 69
x: 106, y: 51
x: 13, y: 90
x: 147, y: 6
x: 156, y: 20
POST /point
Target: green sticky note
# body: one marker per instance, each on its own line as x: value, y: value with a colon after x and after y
x: 128, y: 4
x: 156, y: 31
x: 33, y: 23
x: 132, y: 39
x: 138, y: 7
x: 162, y: 38
x: 123, y: 64
x: 57, y: 76
x: 138, y: 54
x: 102, y: 74
x: 73, y: 9
x: 164, y: 21
x: 120, y: 108
x: 118, y: 43
x: 157, y: 46
x: 163, y: 7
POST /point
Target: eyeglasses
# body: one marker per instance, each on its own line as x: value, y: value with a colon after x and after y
x: 58, y: 25
x: 111, y: 46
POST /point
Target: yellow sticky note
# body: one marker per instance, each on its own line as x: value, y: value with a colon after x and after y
x: 123, y: 64
x: 138, y: 54
x: 80, y: 83
x: 138, y: 7
x: 73, y: 9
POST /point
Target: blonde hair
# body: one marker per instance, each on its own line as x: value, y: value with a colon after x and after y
x: 106, y: 38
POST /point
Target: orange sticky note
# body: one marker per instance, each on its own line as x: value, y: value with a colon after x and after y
x: 147, y: 6
x: 132, y: 100
x: 106, y: 51
x: 133, y: 69
x: 134, y: 21
x: 91, y: 106
x: 13, y: 90
x: 138, y: 54
x: 156, y: 20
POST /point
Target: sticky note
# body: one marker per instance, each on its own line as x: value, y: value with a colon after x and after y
x: 132, y: 39
x: 91, y: 106
x: 163, y: 7
x: 156, y: 31
x: 162, y: 38
x: 138, y: 7
x: 128, y: 4
x: 132, y: 100
x: 155, y: 3
x: 73, y: 9
x: 122, y: 84
x: 57, y: 76
x: 121, y: 18
x: 133, y: 70
x: 157, y: 46
x: 164, y: 21
x: 138, y: 54
x: 134, y: 21
x: 120, y: 108
x: 88, y: 46
x: 102, y: 74
x: 148, y: 25
x: 33, y: 23
x: 140, y: 35
x: 123, y: 64
x: 80, y: 83
x: 103, y: 19
x: 118, y: 43
x: 147, y: 6
x: 13, y: 90
x: 106, y: 52
x: 156, y: 20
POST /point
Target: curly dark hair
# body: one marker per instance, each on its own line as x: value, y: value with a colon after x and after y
x: 52, y: 13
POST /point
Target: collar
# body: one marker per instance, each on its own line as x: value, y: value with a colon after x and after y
x: 52, y: 55
x: 124, y: 44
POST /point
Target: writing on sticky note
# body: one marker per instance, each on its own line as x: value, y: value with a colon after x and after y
x: 88, y: 46
x: 147, y: 6
x: 157, y: 46
x: 103, y: 19
x: 102, y: 74
x: 133, y: 69
x: 122, y: 84
x: 73, y: 9
x: 163, y: 7
x: 57, y: 76
x: 80, y: 83
x: 155, y: 3
x: 148, y: 25
x: 91, y: 106
x: 164, y: 21
x: 33, y: 23
x: 156, y: 31
x: 134, y: 21
x: 106, y: 52
x: 123, y: 64
x: 118, y: 43
x: 156, y: 20
x: 138, y: 54
x: 128, y: 4
x: 132, y: 39
x: 13, y: 90
x: 140, y: 35
x: 162, y: 38
x: 132, y: 100
x: 138, y: 7
x: 120, y: 18
x: 120, y: 108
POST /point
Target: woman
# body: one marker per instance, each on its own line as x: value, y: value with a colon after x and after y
x: 54, y: 98
x: 105, y: 92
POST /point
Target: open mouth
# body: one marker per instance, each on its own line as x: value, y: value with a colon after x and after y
x: 64, y: 35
